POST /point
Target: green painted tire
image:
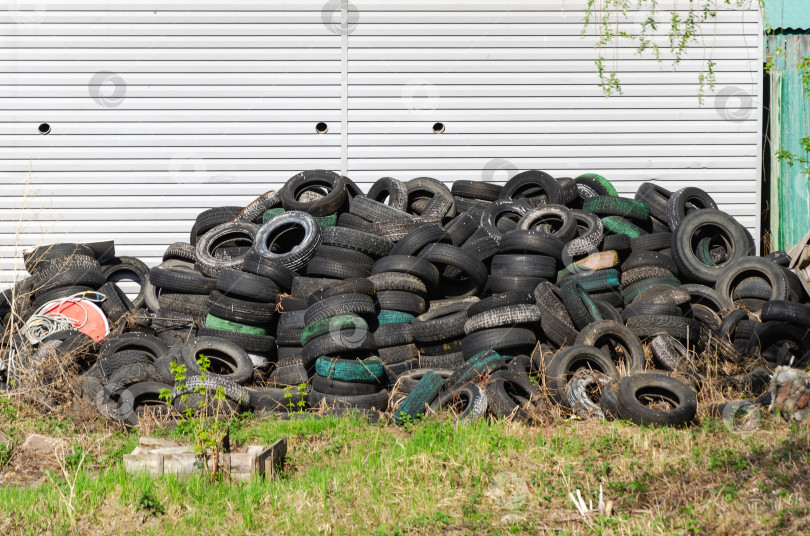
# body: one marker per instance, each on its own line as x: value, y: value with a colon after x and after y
x: 215, y: 322
x: 369, y: 370
x: 387, y: 316
x: 332, y: 324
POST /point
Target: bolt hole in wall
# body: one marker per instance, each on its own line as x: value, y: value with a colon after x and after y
x: 44, y: 128
x: 321, y: 128
x: 438, y: 128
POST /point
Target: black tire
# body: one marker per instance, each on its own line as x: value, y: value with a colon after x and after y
x: 180, y: 277
x: 276, y: 399
x: 54, y: 277
x: 441, y: 362
x: 349, y: 286
x: 786, y: 311
x: 247, y: 286
x: 734, y: 274
x: 147, y: 394
x: 532, y: 184
x: 398, y: 281
x: 609, y: 335
x: 358, y: 304
x: 115, y: 268
x: 508, y: 315
x: 644, y: 309
x: 228, y: 360
x: 250, y: 342
x: 531, y: 242
x: 461, y: 228
x: 272, y: 270
x: 376, y: 212
x: 524, y: 265
x: 656, y: 197
x: 484, y: 191
x: 512, y: 396
x: 377, y: 401
x: 395, y: 355
x: 494, y: 217
x: 390, y: 190
x: 117, y: 304
x: 333, y: 268
x: 242, y: 311
x: 703, y: 295
x: 133, y: 341
x: 511, y: 341
x: 367, y: 243
x: 289, y: 239
x: 394, y: 230
x: 469, y: 400
x: 435, y: 193
x: 683, y: 329
x: 416, y: 266
x: 428, y: 233
x: 208, y: 219
x: 443, y: 255
x: 504, y: 283
x: 650, y: 386
x: 639, y: 259
x: 40, y: 257
x: 347, y: 220
x: 440, y: 323
x: 133, y: 374
x: 590, y: 232
x: 630, y: 277
x: 395, y: 300
x: 388, y: 335
x: 562, y: 366
x: 331, y: 386
x: 254, y: 212
x: 651, y: 242
x: 332, y: 185
x: 237, y: 235
x: 683, y: 201
x: 500, y: 300
x: 713, y: 223
x: 109, y: 364
x: 338, y: 344
x: 236, y: 397
x: 550, y: 220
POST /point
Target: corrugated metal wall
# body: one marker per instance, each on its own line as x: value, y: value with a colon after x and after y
x: 159, y: 110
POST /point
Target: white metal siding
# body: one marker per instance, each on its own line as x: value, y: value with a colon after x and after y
x: 221, y: 100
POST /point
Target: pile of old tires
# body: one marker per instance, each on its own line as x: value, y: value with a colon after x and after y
x: 506, y: 300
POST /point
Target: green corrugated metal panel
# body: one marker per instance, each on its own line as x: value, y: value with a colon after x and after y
x: 789, y: 122
x: 784, y: 14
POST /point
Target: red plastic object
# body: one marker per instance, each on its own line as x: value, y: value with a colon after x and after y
x: 86, y: 316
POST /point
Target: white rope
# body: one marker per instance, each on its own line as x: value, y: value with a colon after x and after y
x: 41, y: 325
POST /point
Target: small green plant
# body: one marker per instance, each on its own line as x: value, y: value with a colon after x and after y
x: 5, y: 453
x: 74, y: 459
x: 301, y: 391
x: 147, y: 502
x: 207, y: 431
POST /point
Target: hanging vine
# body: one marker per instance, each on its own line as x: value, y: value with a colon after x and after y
x: 606, y: 16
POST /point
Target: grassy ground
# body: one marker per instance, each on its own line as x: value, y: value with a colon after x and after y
x: 346, y: 476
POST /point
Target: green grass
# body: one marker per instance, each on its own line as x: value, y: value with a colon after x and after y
x: 346, y: 476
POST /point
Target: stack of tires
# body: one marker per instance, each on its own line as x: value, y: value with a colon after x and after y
x: 339, y: 345
x: 337, y: 298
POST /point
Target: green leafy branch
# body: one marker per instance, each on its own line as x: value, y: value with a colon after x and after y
x: 606, y: 15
